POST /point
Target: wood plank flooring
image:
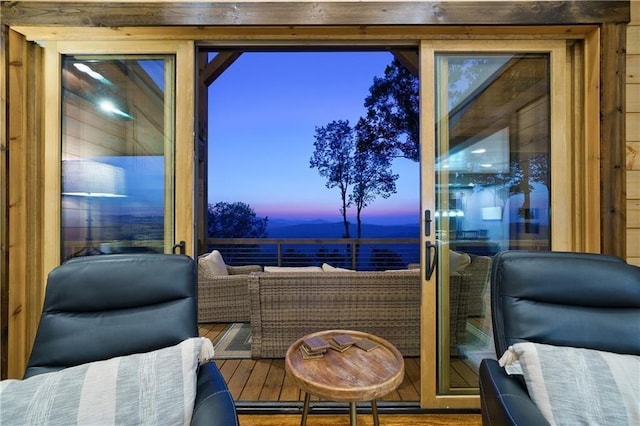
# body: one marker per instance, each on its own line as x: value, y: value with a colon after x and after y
x: 363, y: 420
x: 263, y: 380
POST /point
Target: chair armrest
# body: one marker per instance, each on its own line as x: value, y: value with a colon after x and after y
x: 243, y: 269
x: 504, y: 400
x: 214, y: 404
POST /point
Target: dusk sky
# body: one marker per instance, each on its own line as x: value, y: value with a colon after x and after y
x: 262, y: 118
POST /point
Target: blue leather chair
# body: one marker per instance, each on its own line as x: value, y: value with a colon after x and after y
x: 101, y: 307
x: 580, y: 300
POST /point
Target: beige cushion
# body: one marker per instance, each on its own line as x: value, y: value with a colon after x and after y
x: 328, y: 268
x: 577, y: 386
x: 155, y: 388
x: 213, y: 264
x: 292, y: 269
x: 458, y: 261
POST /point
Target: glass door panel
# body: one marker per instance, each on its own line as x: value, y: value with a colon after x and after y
x: 117, y: 168
x: 492, y: 157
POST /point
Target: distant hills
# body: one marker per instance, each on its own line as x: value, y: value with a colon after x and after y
x: 284, y: 228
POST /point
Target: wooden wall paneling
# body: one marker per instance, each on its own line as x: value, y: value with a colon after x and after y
x: 612, y: 139
x: 633, y: 126
x: 633, y: 135
x: 118, y: 14
x: 633, y: 248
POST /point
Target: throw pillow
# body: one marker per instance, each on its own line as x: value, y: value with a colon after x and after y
x: 292, y: 269
x: 458, y: 261
x: 579, y: 386
x: 328, y: 268
x: 214, y: 265
x: 153, y: 388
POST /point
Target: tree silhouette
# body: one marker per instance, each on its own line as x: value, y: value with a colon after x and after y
x: 372, y: 176
x: 332, y: 156
x: 391, y: 126
x: 235, y: 220
x: 346, y: 163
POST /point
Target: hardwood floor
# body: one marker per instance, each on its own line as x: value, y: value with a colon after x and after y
x: 363, y: 420
x: 264, y: 381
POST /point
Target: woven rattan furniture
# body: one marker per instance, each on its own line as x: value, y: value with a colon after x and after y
x: 476, y: 277
x: 285, y: 306
x: 224, y: 298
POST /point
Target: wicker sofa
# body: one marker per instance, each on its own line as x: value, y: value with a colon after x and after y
x: 286, y: 306
x: 224, y: 298
x: 476, y: 277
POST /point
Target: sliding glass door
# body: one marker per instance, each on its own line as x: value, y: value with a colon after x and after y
x: 489, y: 141
x: 124, y: 160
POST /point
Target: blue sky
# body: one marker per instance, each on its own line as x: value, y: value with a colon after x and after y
x: 263, y: 111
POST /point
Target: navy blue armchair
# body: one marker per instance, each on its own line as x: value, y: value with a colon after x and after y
x: 102, y: 307
x: 577, y: 300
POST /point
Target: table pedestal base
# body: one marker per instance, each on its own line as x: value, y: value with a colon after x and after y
x: 352, y: 412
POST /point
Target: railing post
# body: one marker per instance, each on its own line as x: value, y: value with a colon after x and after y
x: 279, y: 254
x: 354, y: 255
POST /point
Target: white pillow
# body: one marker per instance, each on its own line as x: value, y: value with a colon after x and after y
x: 214, y: 264
x: 153, y: 388
x: 574, y: 386
x: 292, y: 269
x: 458, y: 261
x: 328, y: 268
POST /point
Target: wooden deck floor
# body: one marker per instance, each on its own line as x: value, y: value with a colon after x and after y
x: 264, y: 380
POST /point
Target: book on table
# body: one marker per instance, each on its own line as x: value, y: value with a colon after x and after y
x: 313, y: 347
x: 341, y: 342
x: 310, y: 355
x: 366, y: 345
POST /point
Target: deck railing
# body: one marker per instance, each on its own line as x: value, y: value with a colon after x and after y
x: 353, y: 253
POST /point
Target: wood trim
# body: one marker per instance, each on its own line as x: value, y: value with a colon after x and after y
x: 563, y: 236
x: 612, y: 139
x: 4, y: 214
x: 590, y: 128
x: 321, y: 35
x: 119, y: 14
x: 185, y: 219
x: 428, y: 312
x: 52, y: 184
x: 25, y: 208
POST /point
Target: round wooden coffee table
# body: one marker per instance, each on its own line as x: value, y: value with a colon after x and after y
x: 350, y: 376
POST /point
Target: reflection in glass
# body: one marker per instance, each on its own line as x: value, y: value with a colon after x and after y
x: 492, y: 191
x: 116, y: 154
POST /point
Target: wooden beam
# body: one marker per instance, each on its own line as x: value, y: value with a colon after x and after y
x: 118, y: 14
x: 612, y: 139
x: 217, y: 66
x: 410, y: 60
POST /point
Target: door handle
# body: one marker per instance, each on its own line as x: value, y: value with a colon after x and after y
x: 427, y: 223
x: 180, y: 247
x: 431, y: 260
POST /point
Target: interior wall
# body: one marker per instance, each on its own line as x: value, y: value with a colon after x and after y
x: 633, y: 135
